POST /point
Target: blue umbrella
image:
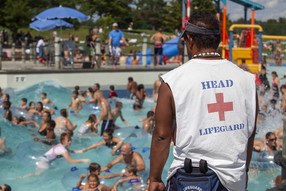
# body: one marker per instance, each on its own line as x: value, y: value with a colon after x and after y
x: 61, y: 13
x: 42, y: 25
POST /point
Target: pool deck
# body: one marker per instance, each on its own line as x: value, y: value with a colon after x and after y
x: 22, y: 75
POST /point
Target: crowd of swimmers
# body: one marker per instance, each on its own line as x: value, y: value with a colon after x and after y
x: 50, y: 127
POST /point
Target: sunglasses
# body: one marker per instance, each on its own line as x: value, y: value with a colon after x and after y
x: 274, y: 139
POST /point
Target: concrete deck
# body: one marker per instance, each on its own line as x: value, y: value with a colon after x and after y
x: 20, y: 75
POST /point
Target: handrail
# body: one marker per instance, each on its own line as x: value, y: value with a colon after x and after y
x: 260, y: 29
x: 273, y: 37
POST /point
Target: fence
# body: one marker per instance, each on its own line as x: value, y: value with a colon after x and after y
x: 60, y: 56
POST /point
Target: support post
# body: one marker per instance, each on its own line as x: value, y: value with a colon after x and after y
x: 34, y: 53
x: 153, y: 57
x: 97, y: 54
x: 13, y: 52
x: 144, y: 52
x: 224, y: 31
x: 31, y: 51
x: 186, y: 55
x: 23, y: 53
x: 107, y: 54
x: 57, y: 53
x: 283, y: 173
x: 245, y: 15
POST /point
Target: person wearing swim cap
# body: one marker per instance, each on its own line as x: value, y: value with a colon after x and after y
x: 207, y: 107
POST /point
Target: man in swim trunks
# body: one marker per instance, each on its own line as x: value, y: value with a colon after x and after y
x: 114, y: 44
x: 132, y: 87
x: 208, y: 108
x: 105, y: 113
x: 45, y: 100
x: 127, y: 156
x: 159, y: 39
x: 75, y: 103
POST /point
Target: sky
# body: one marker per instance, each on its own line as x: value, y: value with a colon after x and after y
x: 273, y: 9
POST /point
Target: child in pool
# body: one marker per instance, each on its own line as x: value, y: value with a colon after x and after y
x: 75, y: 104
x: 129, y: 176
x: 88, y: 126
x: 50, y: 137
x: 55, y: 152
x: 92, y: 184
x: 108, y: 140
x: 8, y: 113
x: 22, y: 121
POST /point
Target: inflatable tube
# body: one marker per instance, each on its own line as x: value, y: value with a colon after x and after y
x: 138, y: 138
x: 170, y: 49
x: 123, y: 132
x: 94, y: 109
x: 263, y: 160
x: 28, y: 152
x: 19, y: 112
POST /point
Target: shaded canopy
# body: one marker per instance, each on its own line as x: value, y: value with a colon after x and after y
x: 42, y: 25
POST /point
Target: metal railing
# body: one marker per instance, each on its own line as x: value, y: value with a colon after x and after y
x: 54, y: 54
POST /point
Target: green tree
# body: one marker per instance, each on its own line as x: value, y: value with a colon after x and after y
x: 106, y: 24
x: 172, y: 15
x: 205, y: 5
x: 15, y: 15
x: 119, y: 10
x: 151, y: 11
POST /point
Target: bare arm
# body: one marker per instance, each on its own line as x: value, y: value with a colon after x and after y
x: 125, y: 42
x: 70, y: 160
x: 94, y: 146
x: 109, y: 41
x: 50, y: 101
x: 118, y: 145
x: 78, y: 184
x: 112, y: 163
x: 122, y: 119
x: 162, y: 135
x: 251, y: 141
x: 29, y: 122
x: 70, y: 126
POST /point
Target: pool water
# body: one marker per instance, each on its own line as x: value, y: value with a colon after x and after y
x: 63, y: 176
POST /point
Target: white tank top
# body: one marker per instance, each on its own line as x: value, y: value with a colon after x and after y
x: 215, y: 116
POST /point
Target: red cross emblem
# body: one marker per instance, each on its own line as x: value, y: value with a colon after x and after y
x: 220, y: 106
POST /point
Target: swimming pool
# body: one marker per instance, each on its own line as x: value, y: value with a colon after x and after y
x: 19, y: 138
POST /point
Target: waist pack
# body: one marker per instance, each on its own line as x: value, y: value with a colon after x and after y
x: 197, y: 179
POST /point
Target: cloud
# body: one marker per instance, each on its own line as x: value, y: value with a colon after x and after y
x: 273, y: 9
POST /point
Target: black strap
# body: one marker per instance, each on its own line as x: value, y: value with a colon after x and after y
x: 203, y: 166
x: 188, y: 165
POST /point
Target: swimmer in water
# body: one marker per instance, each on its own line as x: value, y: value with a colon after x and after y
x: 63, y: 123
x: 55, y: 152
x: 271, y: 144
x: 116, y: 112
x: 89, y: 127
x: 75, y: 104
x: 23, y: 104
x: 8, y: 113
x: 108, y: 140
x: 93, y: 184
x: 132, y: 87
x: 50, y: 138
x: 149, y: 122
x: 130, y: 176
x: 5, y: 187
x: 127, y: 156
x: 22, y: 121
x: 46, y: 118
x: 140, y: 97
x: 46, y: 100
